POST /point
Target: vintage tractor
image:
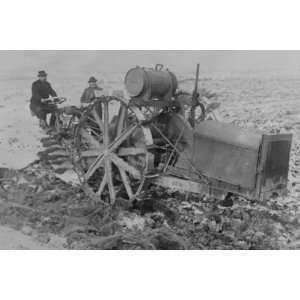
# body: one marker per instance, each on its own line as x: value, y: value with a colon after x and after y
x: 164, y: 136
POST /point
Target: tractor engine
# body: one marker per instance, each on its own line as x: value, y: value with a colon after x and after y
x: 241, y: 161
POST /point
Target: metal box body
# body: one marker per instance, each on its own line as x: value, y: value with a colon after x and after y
x: 227, y: 153
x: 239, y: 160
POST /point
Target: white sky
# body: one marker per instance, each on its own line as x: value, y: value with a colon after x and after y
x: 25, y: 62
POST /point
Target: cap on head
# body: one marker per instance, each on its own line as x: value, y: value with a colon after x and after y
x: 92, y: 79
x: 42, y: 74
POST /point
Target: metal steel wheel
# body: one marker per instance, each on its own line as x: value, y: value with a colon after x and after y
x: 112, y: 156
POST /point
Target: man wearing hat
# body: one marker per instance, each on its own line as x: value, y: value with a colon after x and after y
x: 89, y: 94
x: 41, y: 89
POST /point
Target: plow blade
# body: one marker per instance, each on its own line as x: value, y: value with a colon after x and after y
x: 237, y: 160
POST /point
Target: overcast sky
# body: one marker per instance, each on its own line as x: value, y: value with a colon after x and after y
x: 63, y: 61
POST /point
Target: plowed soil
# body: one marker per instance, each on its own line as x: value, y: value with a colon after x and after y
x: 46, y: 212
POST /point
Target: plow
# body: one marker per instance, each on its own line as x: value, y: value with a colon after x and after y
x: 159, y: 135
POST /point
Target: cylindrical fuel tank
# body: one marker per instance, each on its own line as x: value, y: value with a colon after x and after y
x: 148, y: 83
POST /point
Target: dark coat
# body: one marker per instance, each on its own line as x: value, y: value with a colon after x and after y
x: 88, y: 94
x: 41, y: 90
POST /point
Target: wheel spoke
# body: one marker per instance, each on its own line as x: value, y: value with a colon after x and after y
x: 121, y: 120
x: 105, y: 129
x: 102, y: 185
x: 91, y: 153
x: 97, y: 118
x: 126, y: 182
x: 94, y: 166
x: 122, y: 164
x: 108, y: 175
x: 125, y: 151
x: 120, y: 139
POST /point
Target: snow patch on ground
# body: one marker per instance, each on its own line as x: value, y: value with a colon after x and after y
x: 11, y: 239
x: 19, y: 133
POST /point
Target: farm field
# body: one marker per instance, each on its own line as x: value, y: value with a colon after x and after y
x: 269, y: 102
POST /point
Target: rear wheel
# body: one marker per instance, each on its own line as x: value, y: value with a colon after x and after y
x: 112, y: 150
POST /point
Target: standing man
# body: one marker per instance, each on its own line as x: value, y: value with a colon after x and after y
x: 41, y: 90
x: 89, y: 94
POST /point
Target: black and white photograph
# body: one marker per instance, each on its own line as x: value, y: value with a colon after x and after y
x: 156, y: 150
x: 149, y: 150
